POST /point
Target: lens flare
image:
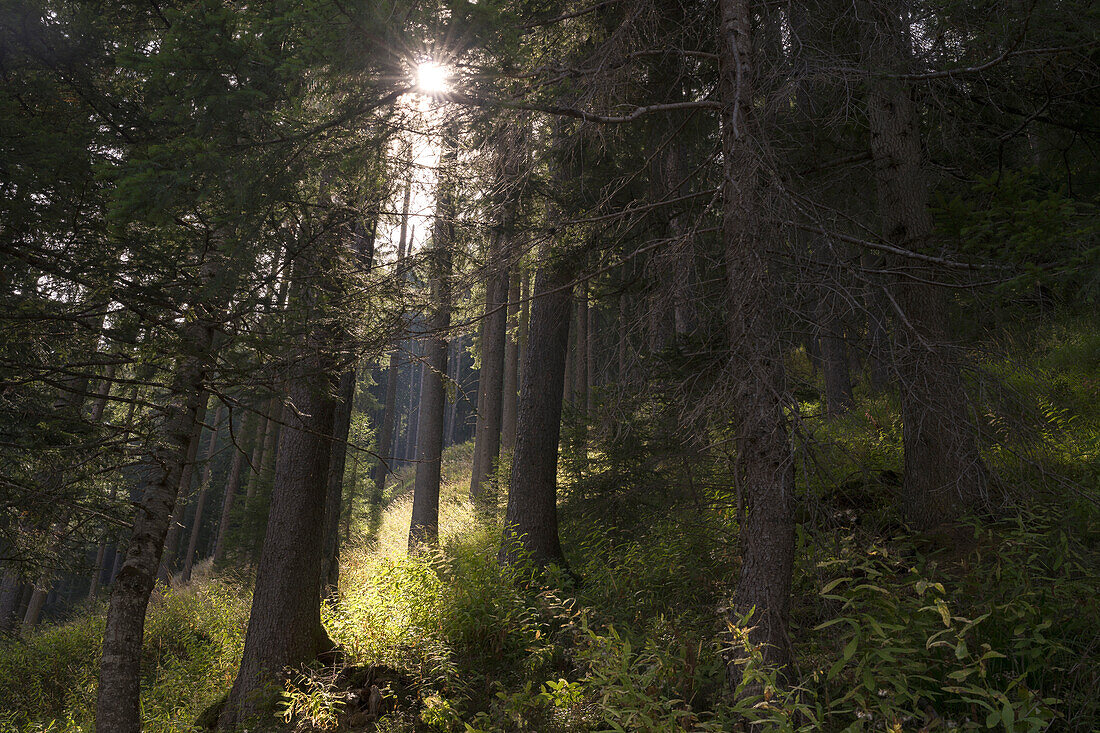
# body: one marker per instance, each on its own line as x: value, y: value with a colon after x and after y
x: 431, y: 78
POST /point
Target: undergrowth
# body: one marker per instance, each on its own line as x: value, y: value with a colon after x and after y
x: 990, y: 624
x: 193, y: 643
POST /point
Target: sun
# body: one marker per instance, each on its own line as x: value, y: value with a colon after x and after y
x: 431, y: 78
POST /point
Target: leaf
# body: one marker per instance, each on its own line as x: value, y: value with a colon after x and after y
x: 1008, y: 716
x: 945, y: 614
x: 960, y: 651
x: 832, y: 584
x: 850, y: 648
x: 992, y: 719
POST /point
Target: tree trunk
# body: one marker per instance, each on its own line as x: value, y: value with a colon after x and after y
x: 117, y: 704
x: 233, y: 485
x: 623, y: 366
x: 491, y: 383
x: 10, y: 591
x: 341, y: 427
x: 171, y: 541
x: 764, y: 462
x: 284, y: 624
x: 581, y: 349
x: 531, y: 519
x: 834, y: 347
x: 416, y: 387
x: 424, y: 527
x: 509, y: 387
x: 944, y: 474
x: 386, y: 432
x: 200, y: 504
x: 102, y: 394
x: 263, y: 448
x: 97, y: 571
x: 590, y: 360
x: 42, y: 588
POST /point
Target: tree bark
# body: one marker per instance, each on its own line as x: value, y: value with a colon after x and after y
x: 117, y: 704
x: 944, y: 473
x: 531, y: 518
x: 284, y: 624
x: 764, y: 462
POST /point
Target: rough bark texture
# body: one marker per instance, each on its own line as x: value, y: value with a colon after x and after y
x: 531, y: 519
x: 764, y: 461
x: 284, y: 624
x: 117, y: 704
x: 944, y: 474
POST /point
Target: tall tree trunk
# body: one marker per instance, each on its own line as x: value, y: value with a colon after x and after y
x: 341, y: 428
x: 451, y: 411
x: 424, y: 527
x: 200, y: 504
x: 416, y: 387
x: 353, y: 483
x: 100, y: 559
x: 524, y: 323
x: 363, y: 238
x: 834, y: 347
x: 944, y: 473
x: 491, y: 383
x: 622, y: 371
x: 389, y: 412
x: 42, y: 588
x: 263, y: 447
x: 764, y: 463
x: 531, y: 519
x: 233, y: 485
x: 117, y: 703
x: 509, y: 386
x: 581, y: 349
x: 284, y: 624
x: 171, y: 541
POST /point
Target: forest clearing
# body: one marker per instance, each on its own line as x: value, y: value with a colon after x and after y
x: 556, y: 366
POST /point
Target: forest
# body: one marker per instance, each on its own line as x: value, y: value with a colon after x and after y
x: 549, y: 365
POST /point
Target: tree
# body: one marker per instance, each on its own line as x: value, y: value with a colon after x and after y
x: 944, y: 473
x: 765, y: 466
x: 531, y: 517
x: 424, y: 527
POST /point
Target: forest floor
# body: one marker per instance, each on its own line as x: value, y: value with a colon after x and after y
x: 990, y: 624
